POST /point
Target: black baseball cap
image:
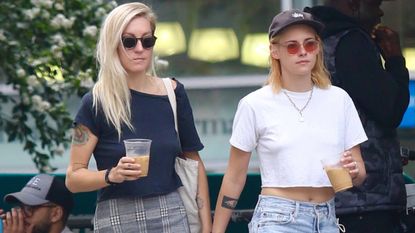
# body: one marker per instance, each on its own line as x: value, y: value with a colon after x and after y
x: 41, y: 189
x: 291, y: 17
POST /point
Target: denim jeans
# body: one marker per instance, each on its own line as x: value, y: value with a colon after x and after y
x: 275, y: 214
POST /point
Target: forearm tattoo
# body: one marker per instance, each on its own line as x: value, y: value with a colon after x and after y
x: 229, y: 202
x: 199, y: 202
x: 80, y: 135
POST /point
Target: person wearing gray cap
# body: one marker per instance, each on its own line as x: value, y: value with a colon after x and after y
x: 296, y: 120
x: 44, y: 206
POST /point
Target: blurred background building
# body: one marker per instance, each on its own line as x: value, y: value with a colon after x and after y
x: 218, y: 50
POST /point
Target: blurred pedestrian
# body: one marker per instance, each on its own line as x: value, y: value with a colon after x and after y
x: 42, y: 206
x: 354, y: 43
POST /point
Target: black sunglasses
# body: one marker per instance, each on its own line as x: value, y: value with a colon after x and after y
x: 129, y: 42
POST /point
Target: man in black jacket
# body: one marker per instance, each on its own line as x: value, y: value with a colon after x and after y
x: 354, y: 43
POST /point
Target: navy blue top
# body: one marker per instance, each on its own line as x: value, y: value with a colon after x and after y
x: 152, y: 118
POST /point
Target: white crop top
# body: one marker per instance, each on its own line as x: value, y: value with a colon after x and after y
x: 289, y: 150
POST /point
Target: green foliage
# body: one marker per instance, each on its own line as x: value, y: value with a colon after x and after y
x: 46, y: 55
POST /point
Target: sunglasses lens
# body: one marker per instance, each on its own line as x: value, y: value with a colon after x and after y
x: 148, y: 42
x: 293, y: 48
x: 129, y: 42
x: 310, y: 46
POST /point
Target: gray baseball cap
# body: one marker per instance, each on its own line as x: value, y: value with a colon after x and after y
x: 41, y: 189
x: 291, y: 17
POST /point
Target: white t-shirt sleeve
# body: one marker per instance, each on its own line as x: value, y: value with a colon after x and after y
x: 244, y: 136
x: 354, y: 131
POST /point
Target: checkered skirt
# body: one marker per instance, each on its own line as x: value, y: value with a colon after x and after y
x: 159, y: 214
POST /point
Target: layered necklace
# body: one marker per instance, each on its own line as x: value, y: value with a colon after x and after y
x: 300, y: 110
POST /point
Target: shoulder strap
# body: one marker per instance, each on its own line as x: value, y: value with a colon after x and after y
x: 172, y: 99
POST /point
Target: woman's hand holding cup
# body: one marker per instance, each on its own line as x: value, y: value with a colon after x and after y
x: 126, y: 169
x: 350, y: 163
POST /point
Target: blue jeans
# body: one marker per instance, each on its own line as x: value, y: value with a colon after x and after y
x: 275, y: 214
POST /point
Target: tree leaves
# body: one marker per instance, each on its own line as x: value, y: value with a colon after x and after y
x: 44, y: 60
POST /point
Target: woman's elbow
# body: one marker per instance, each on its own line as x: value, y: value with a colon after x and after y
x: 70, y: 182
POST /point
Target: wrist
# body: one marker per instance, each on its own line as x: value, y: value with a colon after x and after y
x: 107, y: 177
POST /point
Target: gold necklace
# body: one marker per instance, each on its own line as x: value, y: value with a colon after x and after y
x: 300, y: 110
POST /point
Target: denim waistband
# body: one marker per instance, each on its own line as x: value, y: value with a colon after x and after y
x: 323, y: 208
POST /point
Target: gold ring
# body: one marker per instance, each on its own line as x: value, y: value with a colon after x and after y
x: 355, y: 164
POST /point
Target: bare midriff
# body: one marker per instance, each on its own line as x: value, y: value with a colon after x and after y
x: 306, y: 194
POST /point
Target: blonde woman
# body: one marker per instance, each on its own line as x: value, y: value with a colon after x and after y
x: 129, y: 101
x: 293, y: 122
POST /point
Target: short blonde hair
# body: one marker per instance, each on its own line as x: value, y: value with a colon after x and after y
x: 319, y: 74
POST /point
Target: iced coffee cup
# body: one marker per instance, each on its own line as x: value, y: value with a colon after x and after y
x: 139, y: 149
x: 339, y: 176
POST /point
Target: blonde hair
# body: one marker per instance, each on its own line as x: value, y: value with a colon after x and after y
x: 319, y: 74
x: 111, y: 92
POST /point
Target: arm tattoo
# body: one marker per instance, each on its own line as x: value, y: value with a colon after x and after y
x: 229, y: 202
x: 80, y: 135
x: 199, y: 202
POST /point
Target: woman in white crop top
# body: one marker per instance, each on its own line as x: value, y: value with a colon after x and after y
x: 293, y: 123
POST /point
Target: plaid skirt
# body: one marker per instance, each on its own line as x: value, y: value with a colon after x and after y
x: 159, y: 214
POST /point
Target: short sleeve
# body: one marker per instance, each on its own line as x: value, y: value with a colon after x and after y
x: 86, y: 115
x: 354, y: 131
x: 189, y: 137
x: 244, y: 136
